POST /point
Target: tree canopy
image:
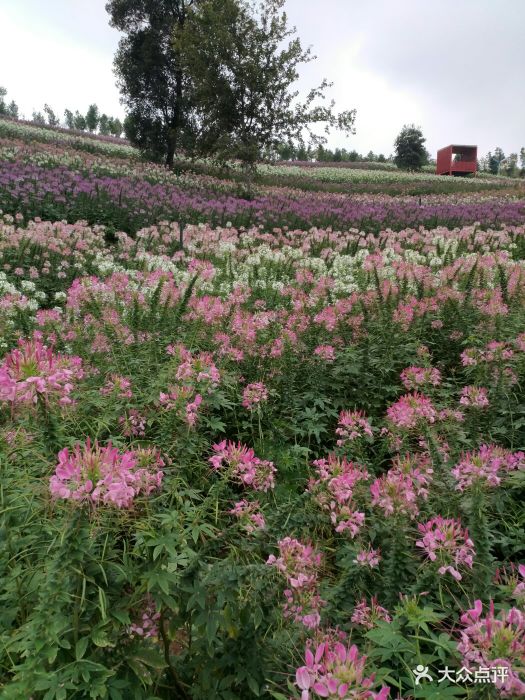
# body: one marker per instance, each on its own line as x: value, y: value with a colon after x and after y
x: 215, y: 77
x: 410, y: 152
x: 242, y: 60
x: 148, y: 69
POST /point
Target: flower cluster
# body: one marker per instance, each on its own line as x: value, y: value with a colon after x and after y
x: 368, y: 558
x: 351, y: 426
x: 299, y: 563
x: 474, y: 397
x: 496, y: 641
x: 447, y: 543
x: 118, y: 387
x: 412, y: 411
x: 133, y: 424
x: 334, y: 491
x: 367, y: 616
x: 415, y: 377
x: 249, y: 515
x: 336, y: 671
x: 33, y: 371
x: 486, y: 467
x: 253, y: 395
x: 243, y: 466
x: 97, y: 474
x: 396, y: 494
x: 147, y: 626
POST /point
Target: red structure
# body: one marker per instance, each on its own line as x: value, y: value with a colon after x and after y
x: 457, y: 160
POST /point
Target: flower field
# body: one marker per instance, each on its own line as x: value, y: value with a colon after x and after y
x: 278, y: 453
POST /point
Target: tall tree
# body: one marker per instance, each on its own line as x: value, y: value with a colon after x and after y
x: 69, y: 119
x: 12, y: 110
x: 38, y: 118
x: 411, y: 153
x: 79, y: 121
x: 242, y: 59
x: 115, y: 127
x: 3, y: 106
x: 52, y: 119
x: 103, y: 125
x: 92, y: 117
x: 149, y: 72
x: 522, y: 158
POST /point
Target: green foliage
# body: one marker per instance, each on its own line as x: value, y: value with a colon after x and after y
x: 150, y: 76
x: 92, y: 118
x: 243, y: 60
x: 410, y: 153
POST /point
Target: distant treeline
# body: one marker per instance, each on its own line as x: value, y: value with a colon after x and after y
x: 93, y: 121
x: 326, y: 155
x: 498, y: 163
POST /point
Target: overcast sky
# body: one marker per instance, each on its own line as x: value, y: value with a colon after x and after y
x: 454, y: 67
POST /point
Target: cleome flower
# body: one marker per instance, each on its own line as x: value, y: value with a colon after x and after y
x: 253, y: 395
x: 33, y: 371
x: 334, y: 491
x: 496, y: 642
x: 448, y: 544
x: 243, y: 465
x: 299, y: 563
x: 486, y: 467
x: 351, y: 426
x: 249, y: 515
x: 336, y: 671
x: 411, y: 411
x: 415, y: 377
x: 95, y: 474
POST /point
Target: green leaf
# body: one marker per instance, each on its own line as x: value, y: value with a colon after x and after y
x: 150, y: 657
x: 80, y: 647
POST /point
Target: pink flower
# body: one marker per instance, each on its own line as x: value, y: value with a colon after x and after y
x: 474, y: 396
x: 253, y: 395
x: 411, y: 411
x: 333, y: 670
x: 133, y: 424
x: 351, y: 426
x: 243, y: 465
x: 119, y: 387
x: 368, y: 557
x: 33, y: 371
x: 448, y: 544
x: 368, y: 615
x: 395, y: 493
x: 495, y: 642
x: 325, y: 352
x: 334, y: 491
x: 249, y: 514
x: 96, y: 474
x: 147, y: 626
x: 486, y: 467
x: 299, y: 563
x: 416, y: 377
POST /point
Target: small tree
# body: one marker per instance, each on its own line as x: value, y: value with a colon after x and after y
x: 242, y: 60
x: 92, y: 118
x: 79, y: 121
x: 381, y: 158
x: 103, y: 125
x: 115, y: 127
x: 52, y: 119
x: 522, y: 158
x: 410, y: 153
x: 3, y: 106
x: 38, y: 118
x: 69, y: 119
